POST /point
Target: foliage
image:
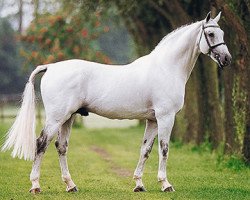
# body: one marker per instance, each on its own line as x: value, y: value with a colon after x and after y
x: 233, y: 162
x: 204, y: 147
x: 52, y: 38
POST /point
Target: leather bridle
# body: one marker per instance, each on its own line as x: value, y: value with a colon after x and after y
x: 211, y: 47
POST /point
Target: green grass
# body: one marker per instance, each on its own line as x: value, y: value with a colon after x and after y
x: 107, y: 174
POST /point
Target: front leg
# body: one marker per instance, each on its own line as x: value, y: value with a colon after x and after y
x: 146, y: 147
x: 165, y: 125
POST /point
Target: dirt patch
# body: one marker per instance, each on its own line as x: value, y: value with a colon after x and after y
x: 120, y: 171
x: 101, y: 152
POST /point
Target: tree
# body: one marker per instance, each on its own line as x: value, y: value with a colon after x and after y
x: 237, y: 91
x: 52, y: 38
x: 20, y: 16
x: 11, y: 77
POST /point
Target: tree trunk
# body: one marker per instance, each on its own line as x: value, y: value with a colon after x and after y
x: 214, y: 112
x: 20, y: 15
x: 245, y: 10
x: 191, y: 108
x: 36, y: 8
x: 246, y: 142
x: 201, y: 99
x: 237, y: 18
x: 228, y: 105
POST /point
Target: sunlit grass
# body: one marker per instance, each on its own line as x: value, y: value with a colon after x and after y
x: 194, y: 174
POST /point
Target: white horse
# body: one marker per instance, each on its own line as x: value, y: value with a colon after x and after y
x: 152, y: 88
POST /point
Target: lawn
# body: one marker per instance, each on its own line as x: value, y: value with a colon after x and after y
x: 102, y: 162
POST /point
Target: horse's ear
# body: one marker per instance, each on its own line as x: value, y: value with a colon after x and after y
x: 217, y: 18
x: 208, y: 17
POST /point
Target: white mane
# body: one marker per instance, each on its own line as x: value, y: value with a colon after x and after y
x: 172, y: 34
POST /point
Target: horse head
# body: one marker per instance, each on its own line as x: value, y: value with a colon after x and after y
x: 212, y: 43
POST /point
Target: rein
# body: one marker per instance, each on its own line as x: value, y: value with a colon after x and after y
x: 211, y: 47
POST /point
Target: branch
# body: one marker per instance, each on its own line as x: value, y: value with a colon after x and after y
x: 165, y: 14
x: 177, y: 11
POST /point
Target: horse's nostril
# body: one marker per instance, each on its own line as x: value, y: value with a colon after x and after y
x: 226, y: 61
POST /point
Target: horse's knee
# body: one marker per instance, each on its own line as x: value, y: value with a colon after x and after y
x: 164, y: 149
x: 61, y: 148
x: 41, y: 143
x: 148, y: 148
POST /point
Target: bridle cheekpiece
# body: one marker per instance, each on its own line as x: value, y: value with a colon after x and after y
x: 211, y: 47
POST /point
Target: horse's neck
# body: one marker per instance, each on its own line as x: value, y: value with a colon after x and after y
x: 180, y: 52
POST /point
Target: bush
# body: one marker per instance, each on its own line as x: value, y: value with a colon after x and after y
x: 52, y: 38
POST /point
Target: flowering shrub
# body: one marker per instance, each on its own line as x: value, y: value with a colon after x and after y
x: 52, y: 38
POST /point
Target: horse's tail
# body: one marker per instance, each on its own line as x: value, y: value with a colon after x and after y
x: 22, y: 134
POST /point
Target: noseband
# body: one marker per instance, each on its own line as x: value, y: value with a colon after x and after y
x: 211, y: 47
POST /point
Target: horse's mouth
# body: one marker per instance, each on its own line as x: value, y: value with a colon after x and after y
x: 218, y: 60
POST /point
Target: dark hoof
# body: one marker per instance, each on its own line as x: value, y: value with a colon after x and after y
x: 35, y: 190
x: 74, y: 189
x: 169, y: 189
x: 139, y: 189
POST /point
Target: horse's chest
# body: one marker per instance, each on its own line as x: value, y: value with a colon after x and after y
x: 178, y: 102
x: 171, y: 100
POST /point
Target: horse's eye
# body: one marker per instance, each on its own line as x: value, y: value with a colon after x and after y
x: 211, y: 34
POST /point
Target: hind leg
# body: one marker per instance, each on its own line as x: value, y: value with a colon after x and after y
x: 42, y: 143
x: 62, y: 147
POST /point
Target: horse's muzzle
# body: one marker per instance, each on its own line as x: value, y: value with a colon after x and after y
x: 223, y: 59
x: 226, y: 59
